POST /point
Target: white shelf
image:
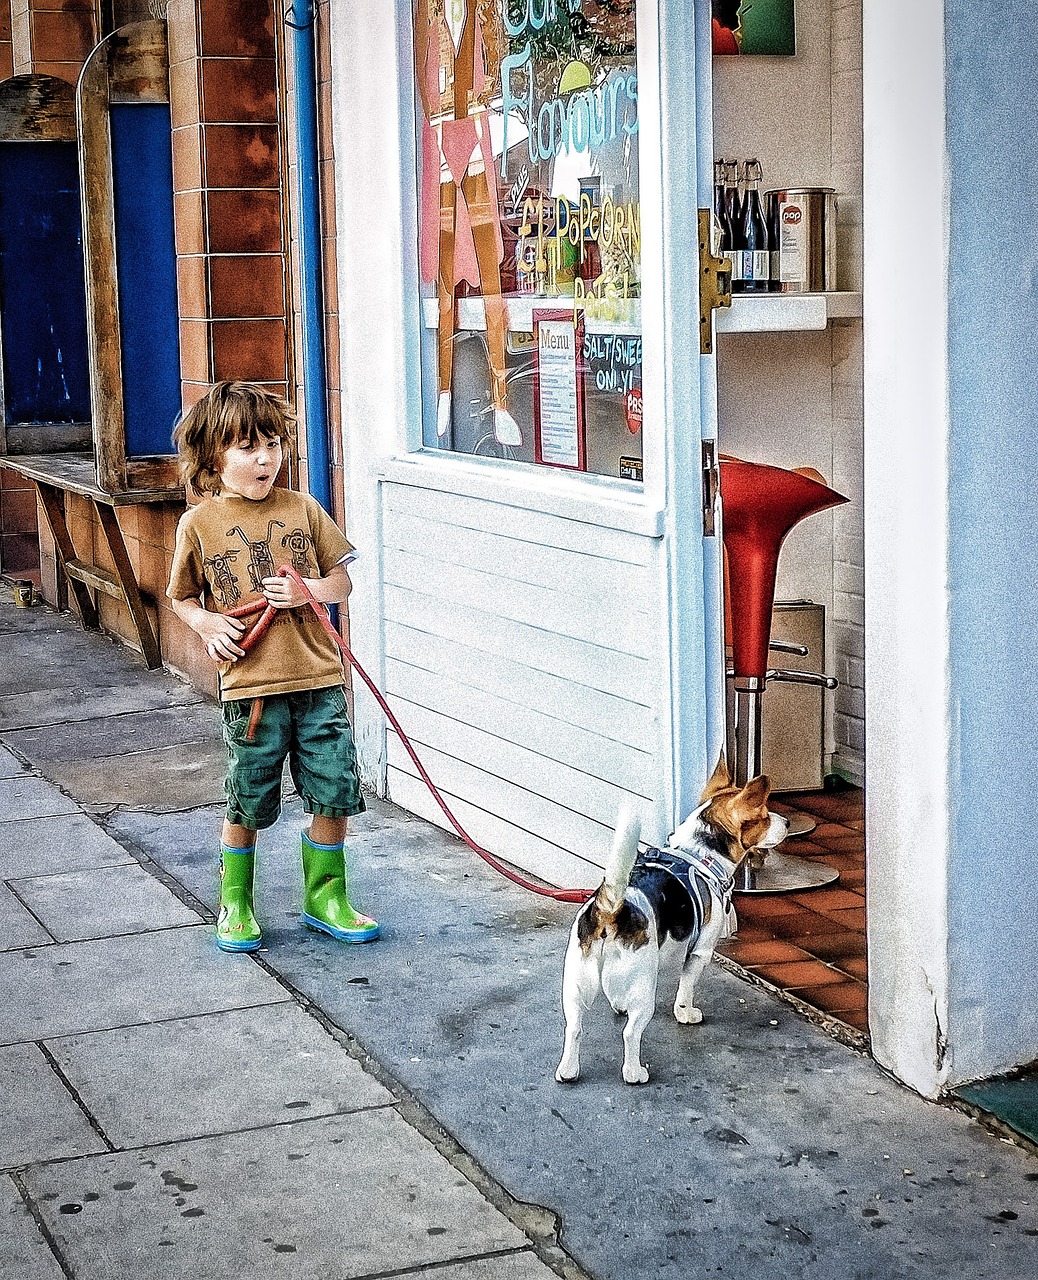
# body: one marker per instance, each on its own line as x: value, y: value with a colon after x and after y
x: 762, y: 313
x: 780, y: 312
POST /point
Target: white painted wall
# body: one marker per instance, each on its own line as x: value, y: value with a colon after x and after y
x: 908, y: 699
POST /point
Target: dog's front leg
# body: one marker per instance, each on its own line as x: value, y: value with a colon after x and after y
x: 684, y: 1006
x: 580, y: 987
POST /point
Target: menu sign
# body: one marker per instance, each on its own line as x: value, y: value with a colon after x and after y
x: 558, y: 401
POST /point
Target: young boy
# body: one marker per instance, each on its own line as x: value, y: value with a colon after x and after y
x: 228, y: 551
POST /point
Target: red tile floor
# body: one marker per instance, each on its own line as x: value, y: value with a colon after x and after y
x: 812, y: 944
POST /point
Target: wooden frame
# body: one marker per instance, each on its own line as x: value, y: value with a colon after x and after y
x: 36, y: 108
x: 130, y: 65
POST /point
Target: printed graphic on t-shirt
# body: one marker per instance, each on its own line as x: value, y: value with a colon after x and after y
x: 300, y: 543
x: 222, y: 578
x: 261, y: 560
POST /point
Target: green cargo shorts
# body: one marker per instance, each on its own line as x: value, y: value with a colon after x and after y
x: 312, y: 731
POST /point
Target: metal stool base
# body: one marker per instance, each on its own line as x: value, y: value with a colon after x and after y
x: 800, y: 824
x: 782, y: 873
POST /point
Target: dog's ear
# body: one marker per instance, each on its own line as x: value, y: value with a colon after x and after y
x: 757, y: 790
x: 720, y: 780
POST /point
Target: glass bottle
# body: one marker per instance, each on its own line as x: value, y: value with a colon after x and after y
x: 725, y: 245
x: 772, y: 215
x: 753, y: 236
x: 733, y: 208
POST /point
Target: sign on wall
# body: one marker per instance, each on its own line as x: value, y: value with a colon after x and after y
x: 754, y: 26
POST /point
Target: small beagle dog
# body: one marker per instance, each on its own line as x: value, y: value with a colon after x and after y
x: 675, y: 899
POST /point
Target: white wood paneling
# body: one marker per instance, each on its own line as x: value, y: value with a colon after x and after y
x: 522, y: 658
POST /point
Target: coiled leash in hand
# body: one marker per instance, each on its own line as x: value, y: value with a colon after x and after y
x: 260, y: 627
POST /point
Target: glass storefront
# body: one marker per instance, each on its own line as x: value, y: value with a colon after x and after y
x: 530, y: 231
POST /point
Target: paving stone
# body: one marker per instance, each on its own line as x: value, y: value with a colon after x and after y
x: 165, y: 780
x: 39, y: 1119
x: 342, y: 1196
x: 43, y: 846
x: 31, y: 797
x: 62, y: 705
x: 185, y: 1078
x: 103, y: 902
x: 24, y: 1254
x: 117, y: 735
x: 10, y: 766
x: 71, y: 987
x: 17, y: 926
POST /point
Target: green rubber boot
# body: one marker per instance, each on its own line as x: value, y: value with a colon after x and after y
x: 325, y: 904
x: 236, y: 927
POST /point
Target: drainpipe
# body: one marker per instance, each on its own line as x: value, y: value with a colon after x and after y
x: 300, y: 19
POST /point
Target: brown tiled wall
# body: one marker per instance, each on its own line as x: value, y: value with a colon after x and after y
x: 6, y: 48
x: 52, y: 37
x: 228, y: 207
x: 19, y: 541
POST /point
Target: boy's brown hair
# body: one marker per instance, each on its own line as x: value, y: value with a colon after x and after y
x: 230, y: 413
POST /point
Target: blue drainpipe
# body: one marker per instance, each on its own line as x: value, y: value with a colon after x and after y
x: 300, y: 20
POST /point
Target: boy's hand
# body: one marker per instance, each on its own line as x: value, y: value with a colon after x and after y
x: 283, y: 593
x: 220, y: 633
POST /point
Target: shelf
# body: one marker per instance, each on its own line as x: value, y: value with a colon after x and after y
x: 780, y: 312
x: 765, y: 313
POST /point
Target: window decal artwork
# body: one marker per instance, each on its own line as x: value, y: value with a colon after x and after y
x: 529, y: 200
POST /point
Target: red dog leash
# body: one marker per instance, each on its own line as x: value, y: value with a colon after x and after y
x: 260, y: 627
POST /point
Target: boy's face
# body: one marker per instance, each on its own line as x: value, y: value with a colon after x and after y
x: 250, y: 470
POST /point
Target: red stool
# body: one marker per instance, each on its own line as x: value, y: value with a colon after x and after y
x: 760, y: 504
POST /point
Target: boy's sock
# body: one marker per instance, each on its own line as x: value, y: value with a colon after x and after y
x: 325, y: 904
x: 236, y: 927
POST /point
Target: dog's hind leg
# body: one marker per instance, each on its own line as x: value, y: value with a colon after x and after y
x: 684, y: 1006
x: 580, y: 987
x: 641, y: 1005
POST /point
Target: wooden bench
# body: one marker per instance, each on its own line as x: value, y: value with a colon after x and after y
x: 57, y: 473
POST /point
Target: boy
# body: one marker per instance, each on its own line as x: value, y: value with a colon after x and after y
x: 228, y: 551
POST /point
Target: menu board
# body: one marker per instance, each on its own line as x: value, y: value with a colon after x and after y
x: 558, y: 399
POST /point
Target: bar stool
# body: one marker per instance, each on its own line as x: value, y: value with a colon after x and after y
x: 760, y: 504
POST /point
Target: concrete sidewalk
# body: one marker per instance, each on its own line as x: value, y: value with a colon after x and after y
x: 326, y: 1111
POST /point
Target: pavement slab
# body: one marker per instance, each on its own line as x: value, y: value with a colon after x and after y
x: 18, y: 927
x: 160, y: 780
x: 504, y: 1266
x: 102, y: 903
x: 31, y: 797
x: 44, y: 846
x: 39, y: 1119
x: 67, y: 988
x: 24, y: 1254
x: 10, y: 765
x: 755, y: 1118
x: 340, y: 1196
x: 60, y: 705
x: 114, y: 735
x: 184, y: 1079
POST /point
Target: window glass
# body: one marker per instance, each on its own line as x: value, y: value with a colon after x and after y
x: 530, y: 229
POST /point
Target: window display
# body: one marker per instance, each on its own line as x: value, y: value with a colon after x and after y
x: 530, y: 231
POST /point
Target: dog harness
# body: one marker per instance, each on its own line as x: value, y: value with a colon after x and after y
x: 706, y: 878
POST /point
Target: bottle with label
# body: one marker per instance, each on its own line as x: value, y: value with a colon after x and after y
x: 753, y: 236
x: 733, y: 208
x: 725, y: 241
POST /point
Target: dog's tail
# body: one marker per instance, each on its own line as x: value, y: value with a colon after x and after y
x: 620, y: 863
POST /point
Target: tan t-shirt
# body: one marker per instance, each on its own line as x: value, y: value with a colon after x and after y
x: 226, y: 546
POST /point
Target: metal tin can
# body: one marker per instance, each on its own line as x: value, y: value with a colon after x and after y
x: 804, y: 260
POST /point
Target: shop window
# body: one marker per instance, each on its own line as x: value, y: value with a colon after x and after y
x: 530, y: 230
x: 42, y: 298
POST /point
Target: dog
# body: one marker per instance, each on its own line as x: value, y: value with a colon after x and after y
x: 675, y: 899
